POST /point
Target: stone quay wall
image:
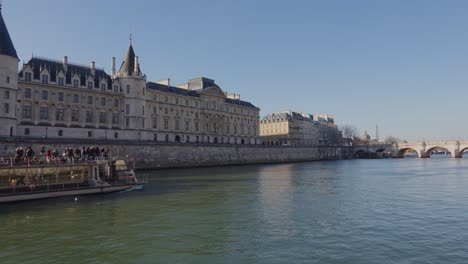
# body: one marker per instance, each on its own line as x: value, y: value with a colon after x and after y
x: 150, y: 155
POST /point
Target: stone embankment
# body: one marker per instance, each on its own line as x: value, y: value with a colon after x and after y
x: 150, y: 155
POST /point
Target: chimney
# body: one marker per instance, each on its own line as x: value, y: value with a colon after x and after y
x: 93, y: 66
x: 65, y: 62
x: 136, y: 70
x: 113, y: 67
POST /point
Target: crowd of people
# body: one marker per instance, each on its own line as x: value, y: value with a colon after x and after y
x: 69, y: 154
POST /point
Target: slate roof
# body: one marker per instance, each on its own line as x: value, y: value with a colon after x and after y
x: 128, y: 65
x: 291, y: 115
x: 6, y: 45
x: 194, y: 93
x: 171, y: 89
x: 55, y: 67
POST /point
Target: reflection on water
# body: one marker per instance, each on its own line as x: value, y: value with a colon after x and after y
x: 361, y: 211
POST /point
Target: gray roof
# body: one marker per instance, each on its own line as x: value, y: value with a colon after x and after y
x: 6, y: 45
x: 194, y: 93
x: 55, y: 66
x: 128, y: 65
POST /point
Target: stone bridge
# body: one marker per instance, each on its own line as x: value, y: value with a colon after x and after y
x: 424, y: 148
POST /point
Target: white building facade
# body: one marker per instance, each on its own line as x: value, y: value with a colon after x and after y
x: 57, y: 99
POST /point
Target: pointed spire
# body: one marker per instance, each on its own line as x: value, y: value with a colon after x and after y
x: 6, y: 45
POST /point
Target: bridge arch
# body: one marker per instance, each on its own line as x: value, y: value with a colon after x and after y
x: 359, y: 152
x: 429, y: 151
x: 402, y: 151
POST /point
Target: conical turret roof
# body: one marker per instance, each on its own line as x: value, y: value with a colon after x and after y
x: 128, y: 65
x: 6, y: 45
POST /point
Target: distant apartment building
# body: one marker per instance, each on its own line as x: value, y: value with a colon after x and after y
x: 288, y: 128
x: 58, y: 99
x: 293, y: 129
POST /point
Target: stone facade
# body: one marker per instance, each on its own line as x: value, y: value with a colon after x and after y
x: 57, y: 99
x: 289, y: 129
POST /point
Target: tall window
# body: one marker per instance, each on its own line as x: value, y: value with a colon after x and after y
x: 177, y: 101
x: 6, y: 107
x: 90, y: 85
x: 143, y: 110
x: 128, y: 89
x: 59, y: 114
x: 115, y: 118
x: 187, y: 125
x: 61, y: 81
x: 27, y: 92
x: 7, y: 95
x: 27, y: 111
x: 103, y: 101
x: 177, y: 124
x: 127, y: 122
x: 196, y: 126
x: 143, y: 91
x: 76, y: 98
x: 60, y: 96
x: 45, y: 78
x: 154, y: 109
x: 116, y: 88
x: 166, y: 123
x: 76, y: 83
x: 27, y: 76
x: 75, y: 115
x: 102, y: 117
x: 60, y: 133
x: 45, y: 95
x: 116, y: 102
x: 155, y: 123
x: 103, y: 86
x: 89, y: 99
x: 89, y: 116
x: 127, y: 109
x: 166, y: 99
x: 44, y: 113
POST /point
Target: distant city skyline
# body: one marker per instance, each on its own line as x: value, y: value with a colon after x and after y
x: 399, y: 65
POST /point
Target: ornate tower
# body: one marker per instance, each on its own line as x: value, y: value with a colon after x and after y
x: 133, y: 84
x: 8, y: 81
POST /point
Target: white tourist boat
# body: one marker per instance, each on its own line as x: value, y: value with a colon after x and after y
x: 20, y: 182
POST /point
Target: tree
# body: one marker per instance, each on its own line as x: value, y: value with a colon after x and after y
x: 349, y: 131
x: 393, y: 140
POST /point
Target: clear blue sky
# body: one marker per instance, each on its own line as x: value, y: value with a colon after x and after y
x: 400, y: 64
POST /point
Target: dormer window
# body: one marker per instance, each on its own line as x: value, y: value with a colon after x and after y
x: 45, y: 79
x: 27, y: 76
x: 103, y: 87
x: 90, y: 85
x: 76, y: 83
x: 61, y: 81
x: 116, y: 88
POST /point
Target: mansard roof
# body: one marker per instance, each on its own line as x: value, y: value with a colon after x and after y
x: 54, y: 67
x: 283, y: 116
x: 6, y: 45
x: 194, y: 93
x: 171, y: 89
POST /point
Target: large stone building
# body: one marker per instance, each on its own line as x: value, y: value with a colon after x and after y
x: 298, y: 129
x: 288, y: 128
x: 58, y: 99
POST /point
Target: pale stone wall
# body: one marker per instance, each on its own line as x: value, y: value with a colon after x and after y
x: 150, y: 156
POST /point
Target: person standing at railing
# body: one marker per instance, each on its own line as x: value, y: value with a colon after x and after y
x: 48, y: 156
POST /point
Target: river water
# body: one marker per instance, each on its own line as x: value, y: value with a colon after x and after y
x: 358, y: 211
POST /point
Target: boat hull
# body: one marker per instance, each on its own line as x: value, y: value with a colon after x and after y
x: 75, y: 192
